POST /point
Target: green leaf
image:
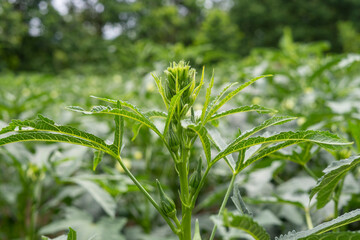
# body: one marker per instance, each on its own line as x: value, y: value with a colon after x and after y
x: 122, y: 103
x: 43, y: 124
x: 247, y: 224
x: 252, y: 108
x: 328, y: 182
x: 161, y: 89
x: 197, y: 235
x: 239, y: 202
x: 102, y: 197
x: 323, y: 139
x: 230, y: 96
x: 198, y: 88
x: 71, y: 234
x: 119, y: 131
x: 98, y: 155
x: 344, y: 219
x: 173, y: 106
x: 335, y: 236
x: 207, y: 97
x: 203, y: 135
x: 150, y: 115
x: 220, y: 145
x: 139, y: 117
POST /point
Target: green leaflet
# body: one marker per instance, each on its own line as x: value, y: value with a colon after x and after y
x: 220, y: 145
x: 122, y: 103
x: 231, y: 95
x: 335, y: 236
x: 119, y: 131
x: 202, y: 133
x: 52, y: 137
x: 121, y: 112
x: 344, y: 219
x: 247, y: 224
x: 150, y: 115
x: 71, y: 234
x: 267, y: 123
x: 207, y: 98
x: 198, y: 88
x: 217, y: 98
x: 197, y: 235
x: 98, y: 155
x: 173, y: 106
x: 160, y: 89
x: 333, y: 174
x: 239, y: 202
x: 252, y: 108
x: 323, y: 139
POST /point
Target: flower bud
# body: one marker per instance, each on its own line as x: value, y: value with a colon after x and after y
x: 167, y: 204
x: 196, y: 177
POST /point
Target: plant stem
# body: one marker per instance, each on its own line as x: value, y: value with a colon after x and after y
x: 147, y: 195
x: 227, y: 195
x: 184, y: 191
x: 308, y: 218
x: 311, y: 173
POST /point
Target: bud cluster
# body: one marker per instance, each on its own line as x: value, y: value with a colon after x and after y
x: 167, y: 204
x: 178, y: 77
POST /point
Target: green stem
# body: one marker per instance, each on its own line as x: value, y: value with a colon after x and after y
x: 311, y: 173
x: 147, y: 195
x: 227, y: 195
x: 308, y: 218
x: 184, y: 190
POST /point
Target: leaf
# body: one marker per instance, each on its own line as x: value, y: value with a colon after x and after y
x: 173, y: 106
x: 252, y: 108
x: 150, y: 115
x: 122, y: 103
x: 139, y: 117
x: 198, y: 88
x: 102, y: 197
x: 247, y: 224
x: 323, y: 139
x: 71, y: 234
x: 342, y: 220
x: 231, y: 95
x: 328, y: 182
x: 197, y: 235
x: 161, y: 89
x: 98, y: 155
x: 239, y: 202
x: 335, y: 236
x: 43, y: 124
x: 202, y: 133
x: 207, y: 97
x: 119, y: 131
x: 220, y: 145
x: 50, y: 137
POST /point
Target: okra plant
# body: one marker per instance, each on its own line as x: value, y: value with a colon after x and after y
x: 181, y: 127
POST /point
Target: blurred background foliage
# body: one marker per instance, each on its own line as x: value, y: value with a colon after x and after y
x: 56, y: 53
x: 54, y: 35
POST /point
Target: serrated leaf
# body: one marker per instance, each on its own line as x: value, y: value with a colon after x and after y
x: 207, y: 97
x: 203, y: 136
x: 247, y: 224
x: 173, y: 106
x: 43, y: 124
x: 98, y: 155
x: 122, y: 103
x: 71, y: 234
x: 201, y: 83
x: 150, y: 115
x: 102, y: 197
x: 160, y: 89
x: 332, y: 175
x: 231, y: 95
x: 252, y: 108
x: 119, y: 131
x: 323, y: 139
x: 139, y: 117
x: 335, y: 236
x: 239, y: 202
x: 342, y: 220
x: 220, y: 145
